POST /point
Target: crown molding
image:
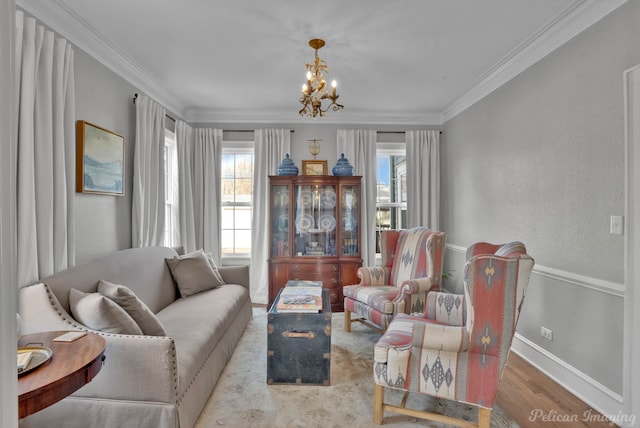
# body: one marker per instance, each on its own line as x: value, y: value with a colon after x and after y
x: 577, y: 17
x: 64, y: 21
x: 574, y: 19
x: 292, y: 117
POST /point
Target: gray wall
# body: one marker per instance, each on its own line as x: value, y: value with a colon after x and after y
x: 541, y: 160
x: 103, y: 223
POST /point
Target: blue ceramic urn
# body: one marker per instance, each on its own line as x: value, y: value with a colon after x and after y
x: 343, y: 168
x: 287, y: 167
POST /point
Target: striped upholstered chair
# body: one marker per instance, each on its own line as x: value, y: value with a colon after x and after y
x: 411, y: 267
x: 458, y: 347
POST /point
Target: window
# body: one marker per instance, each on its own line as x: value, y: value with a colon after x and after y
x: 391, y: 199
x: 170, y: 189
x: 237, y: 200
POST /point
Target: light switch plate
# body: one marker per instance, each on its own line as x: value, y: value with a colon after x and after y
x: 616, y: 227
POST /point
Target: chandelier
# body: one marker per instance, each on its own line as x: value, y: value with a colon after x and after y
x: 315, y: 90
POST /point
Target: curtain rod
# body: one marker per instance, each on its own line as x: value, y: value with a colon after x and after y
x: 395, y: 132
x: 247, y: 130
x: 135, y: 97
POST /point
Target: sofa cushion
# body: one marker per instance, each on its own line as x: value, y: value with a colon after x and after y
x: 378, y: 297
x: 127, y: 300
x: 193, y: 273
x: 198, y: 325
x: 100, y: 313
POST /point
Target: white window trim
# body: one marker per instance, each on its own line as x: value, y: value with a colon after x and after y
x: 171, y: 197
x: 389, y: 149
x: 237, y: 147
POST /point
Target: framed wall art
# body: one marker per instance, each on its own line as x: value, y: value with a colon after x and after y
x: 99, y: 160
x: 314, y: 167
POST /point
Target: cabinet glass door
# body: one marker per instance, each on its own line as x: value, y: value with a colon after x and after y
x: 280, y: 221
x: 315, y: 220
x: 349, y: 215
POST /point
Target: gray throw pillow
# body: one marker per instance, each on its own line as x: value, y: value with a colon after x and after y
x: 100, y: 313
x: 193, y: 273
x: 212, y: 263
x: 136, y: 308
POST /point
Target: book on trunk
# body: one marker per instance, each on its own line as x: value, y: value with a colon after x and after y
x: 300, y: 299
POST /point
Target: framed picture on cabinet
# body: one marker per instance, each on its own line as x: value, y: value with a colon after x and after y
x: 314, y: 167
x: 99, y: 160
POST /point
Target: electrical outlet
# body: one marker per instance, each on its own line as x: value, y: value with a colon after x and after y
x: 546, y: 333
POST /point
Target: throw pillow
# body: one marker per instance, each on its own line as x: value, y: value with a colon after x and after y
x: 179, y: 249
x: 100, y: 313
x: 192, y: 273
x: 212, y: 263
x: 136, y: 308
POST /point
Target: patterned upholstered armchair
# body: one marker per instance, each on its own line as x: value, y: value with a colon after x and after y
x: 411, y: 266
x: 458, y: 347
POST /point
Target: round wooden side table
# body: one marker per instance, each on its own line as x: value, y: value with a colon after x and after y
x: 72, y: 365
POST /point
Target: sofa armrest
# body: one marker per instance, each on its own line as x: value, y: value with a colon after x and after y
x: 374, y: 275
x: 136, y: 368
x: 235, y: 275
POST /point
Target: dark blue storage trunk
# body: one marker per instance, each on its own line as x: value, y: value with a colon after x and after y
x: 299, y: 345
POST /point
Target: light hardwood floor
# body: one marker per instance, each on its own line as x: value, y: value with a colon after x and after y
x: 524, y: 390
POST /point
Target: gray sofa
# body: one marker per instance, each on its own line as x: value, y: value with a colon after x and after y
x: 146, y: 381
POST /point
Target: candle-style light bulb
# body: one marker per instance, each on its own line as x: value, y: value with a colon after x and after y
x: 304, y: 88
x: 334, y: 84
x: 308, y: 75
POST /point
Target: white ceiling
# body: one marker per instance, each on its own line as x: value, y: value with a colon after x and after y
x: 402, y: 61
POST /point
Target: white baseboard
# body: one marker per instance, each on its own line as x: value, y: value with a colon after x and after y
x: 596, y: 395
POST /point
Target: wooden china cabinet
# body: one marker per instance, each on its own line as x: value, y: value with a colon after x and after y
x: 315, y: 233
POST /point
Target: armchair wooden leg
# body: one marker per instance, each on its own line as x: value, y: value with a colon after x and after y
x: 347, y: 320
x: 484, y: 417
x: 378, y: 404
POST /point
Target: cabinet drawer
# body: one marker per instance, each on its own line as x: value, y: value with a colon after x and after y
x: 328, y: 280
x: 314, y: 268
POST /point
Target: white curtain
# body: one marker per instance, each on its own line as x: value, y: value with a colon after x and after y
x: 186, y: 219
x: 45, y: 153
x: 199, y: 175
x: 359, y: 147
x: 148, y: 206
x: 271, y: 146
x: 8, y: 221
x: 207, y: 152
x: 423, y: 179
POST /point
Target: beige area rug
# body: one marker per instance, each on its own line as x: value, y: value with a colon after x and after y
x: 242, y: 397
